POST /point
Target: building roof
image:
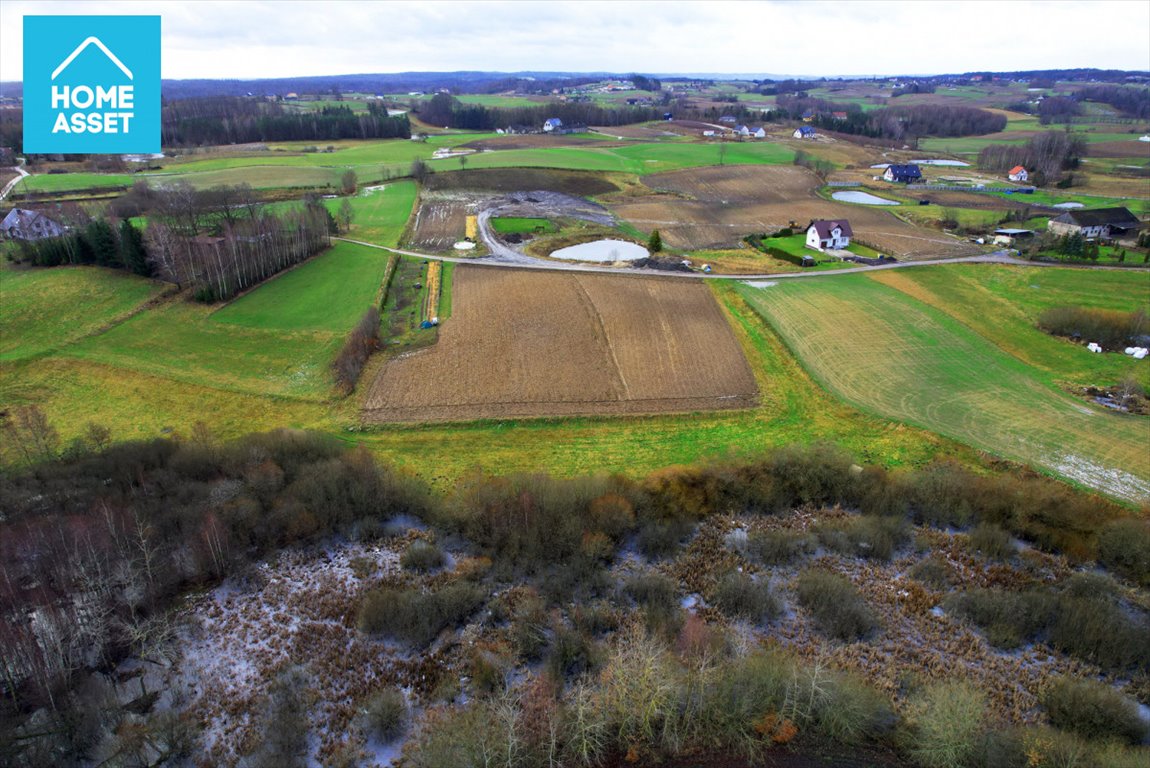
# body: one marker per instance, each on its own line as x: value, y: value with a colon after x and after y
x: 823, y: 227
x: 1100, y: 217
x: 1017, y: 169
x: 806, y: 130
x: 22, y: 218
x: 553, y: 121
x: 904, y: 170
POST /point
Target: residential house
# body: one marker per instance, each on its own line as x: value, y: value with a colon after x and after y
x: 759, y: 133
x: 22, y: 224
x: 902, y: 174
x: 804, y: 132
x: 823, y: 234
x: 1099, y: 223
x: 730, y: 119
x: 1018, y: 173
x: 808, y: 115
x: 839, y: 115
x: 552, y: 125
x: 743, y: 131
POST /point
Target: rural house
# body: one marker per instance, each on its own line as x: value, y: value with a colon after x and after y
x: 1018, y: 173
x: 804, y: 132
x: 902, y: 174
x: 552, y: 124
x: 822, y: 234
x: 759, y: 133
x: 1099, y: 223
x: 22, y: 224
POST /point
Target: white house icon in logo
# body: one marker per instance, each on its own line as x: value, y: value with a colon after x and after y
x: 82, y: 47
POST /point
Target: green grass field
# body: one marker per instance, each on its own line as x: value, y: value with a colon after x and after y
x: 42, y: 309
x: 897, y: 357
x: 327, y: 293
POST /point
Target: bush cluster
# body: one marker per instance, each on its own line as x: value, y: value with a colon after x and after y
x: 363, y: 340
x: 415, y: 617
x: 741, y: 597
x: 838, y: 609
x: 1109, y: 328
x: 1093, y: 710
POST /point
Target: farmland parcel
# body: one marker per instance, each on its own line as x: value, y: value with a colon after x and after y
x: 522, y: 343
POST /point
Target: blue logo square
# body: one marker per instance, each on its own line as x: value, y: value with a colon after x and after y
x: 91, y: 84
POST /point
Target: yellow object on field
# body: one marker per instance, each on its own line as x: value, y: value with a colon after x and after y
x: 472, y: 226
x: 431, y: 308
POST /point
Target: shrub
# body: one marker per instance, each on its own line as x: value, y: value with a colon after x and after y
x: 657, y: 595
x: 662, y: 538
x: 410, y: 615
x: 1093, y: 710
x: 1124, y: 547
x: 740, y: 596
x: 871, y: 537
x: 386, y: 714
x: 1008, y: 618
x: 1111, y: 329
x: 837, y: 607
x: 946, y: 723
x: 933, y: 571
x: 422, y: 556
x: 572, y: 654
x: 779, y: 547
x: 991, y: 541
x: 1099, y: 631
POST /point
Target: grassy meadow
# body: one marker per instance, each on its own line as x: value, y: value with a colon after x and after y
x: 898, y: 357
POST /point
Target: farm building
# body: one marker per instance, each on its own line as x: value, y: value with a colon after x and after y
x: 743, y: 131
x: 22, y: 224
x: 822, y: 234
x: 808, y: 115
x: 759, y: 133
x: 902, y: 174
x: 804, y: 132
x: 552, y: 125
x: 1008, y: 236
x: 1101, y: 223
x: 1018, y: 173
x: 727, y: 119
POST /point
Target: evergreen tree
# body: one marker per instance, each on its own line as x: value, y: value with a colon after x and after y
x: 133, y: 254
x: 655, y: 242
x: 102, y: 241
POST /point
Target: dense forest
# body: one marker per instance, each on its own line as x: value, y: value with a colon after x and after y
x: 904, y: 124
x: 235, y: 120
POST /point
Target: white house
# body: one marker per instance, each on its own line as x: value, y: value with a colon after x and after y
x: 22, y: 224
x: 552, y: 124
x: 834, y: 235
x: 1018, y: 173
x: 804, y: 132
x: 759, y: 133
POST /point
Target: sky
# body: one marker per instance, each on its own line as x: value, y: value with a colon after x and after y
x: 288, y: 38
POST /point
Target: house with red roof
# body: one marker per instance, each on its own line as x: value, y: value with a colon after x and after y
x: 1018, y: 173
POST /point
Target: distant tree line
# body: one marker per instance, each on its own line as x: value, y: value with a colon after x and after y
x: 912, y: 88
x: 1130, y: 101
x: 446, y: 110
x: 905, y: 124
x: 1046, y: 156
x: 238, y: 120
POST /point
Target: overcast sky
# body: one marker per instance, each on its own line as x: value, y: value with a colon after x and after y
x: 266, y: 38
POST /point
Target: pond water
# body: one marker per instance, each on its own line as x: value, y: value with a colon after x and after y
x: 142, y: 158
x: 602, y: 251
x: 1069, y: 205
x: 862, y: 198
x: 957, y: 163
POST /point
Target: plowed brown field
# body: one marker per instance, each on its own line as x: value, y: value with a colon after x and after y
x: 716, y: 207
x: 439, y: 224
x: 521, y: 343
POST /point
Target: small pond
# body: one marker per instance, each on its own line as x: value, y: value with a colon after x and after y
x: 1069, y: 205
x: 605, y: 251
x: 862, y: 198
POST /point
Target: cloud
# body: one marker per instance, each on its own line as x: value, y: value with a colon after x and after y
x: 263, y: 38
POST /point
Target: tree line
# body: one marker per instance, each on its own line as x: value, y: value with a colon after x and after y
x: 216, y: 242
x: 237, y: 120
x: 1047, y: 156
x: 446, y: 110
x: 905, y: 124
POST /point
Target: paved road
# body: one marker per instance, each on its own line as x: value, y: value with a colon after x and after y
x: 998, y: 257
x: 8, y: 187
